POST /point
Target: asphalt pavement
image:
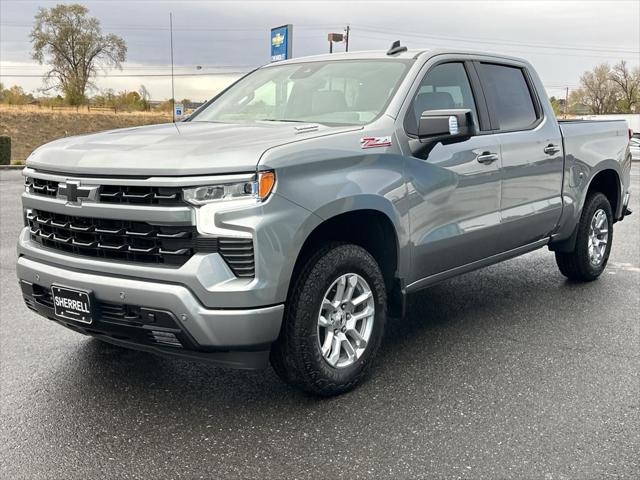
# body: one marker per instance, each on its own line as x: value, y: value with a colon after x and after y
x: 507, y: 372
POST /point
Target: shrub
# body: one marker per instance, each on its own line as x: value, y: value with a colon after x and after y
x: 5, y: 150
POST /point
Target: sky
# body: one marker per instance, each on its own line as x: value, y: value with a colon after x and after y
x: 226, y: 38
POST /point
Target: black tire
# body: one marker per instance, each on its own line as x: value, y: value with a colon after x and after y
x: 576, y: 265
x: 296, y: 356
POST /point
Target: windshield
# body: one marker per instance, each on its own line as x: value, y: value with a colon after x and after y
x: 334, y: 92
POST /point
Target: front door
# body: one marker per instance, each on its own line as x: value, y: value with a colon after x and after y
x: 454, y: 189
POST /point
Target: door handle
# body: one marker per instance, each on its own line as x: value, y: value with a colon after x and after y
x: 551, y: 149
x: 487, y: 158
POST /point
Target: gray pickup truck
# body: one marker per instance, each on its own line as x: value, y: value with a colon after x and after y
x: 290, y: 215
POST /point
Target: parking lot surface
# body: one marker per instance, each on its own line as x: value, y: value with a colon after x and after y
x: 507, y: 372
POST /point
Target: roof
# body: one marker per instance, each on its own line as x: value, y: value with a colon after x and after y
x: 360, y: 55
x: 382, y: 54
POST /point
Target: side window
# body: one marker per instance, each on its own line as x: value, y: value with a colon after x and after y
x: 507, y: 91
x: 445, y: 86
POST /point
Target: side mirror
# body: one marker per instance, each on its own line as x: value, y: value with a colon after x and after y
x: 439, y: 125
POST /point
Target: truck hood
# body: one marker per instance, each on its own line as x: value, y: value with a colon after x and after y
x: 186, y: 148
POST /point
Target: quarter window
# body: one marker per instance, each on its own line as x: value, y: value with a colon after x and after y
x: 508, y: 93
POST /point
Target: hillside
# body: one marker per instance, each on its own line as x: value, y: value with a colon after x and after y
x: 31, y: 127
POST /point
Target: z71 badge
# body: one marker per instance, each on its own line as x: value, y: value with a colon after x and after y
x: 373, y: 142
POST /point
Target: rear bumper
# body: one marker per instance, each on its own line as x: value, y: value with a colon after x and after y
x: 231, y: 337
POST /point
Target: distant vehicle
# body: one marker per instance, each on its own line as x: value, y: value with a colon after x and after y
x: 634, y: 147
x: 289, y: 215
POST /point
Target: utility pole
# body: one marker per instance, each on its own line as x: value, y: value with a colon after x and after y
x: 566, y: 102
x: 346, y: 39
x: 173, y: 95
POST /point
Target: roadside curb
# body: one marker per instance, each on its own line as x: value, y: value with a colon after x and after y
x: 11, y: 167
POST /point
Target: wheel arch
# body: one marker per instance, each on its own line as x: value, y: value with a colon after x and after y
x: 607, y: 181
x: 361, y: 222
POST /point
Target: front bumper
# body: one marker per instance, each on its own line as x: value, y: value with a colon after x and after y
x: 231, y: 337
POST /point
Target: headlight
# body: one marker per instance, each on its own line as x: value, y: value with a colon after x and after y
x: 259, y: 189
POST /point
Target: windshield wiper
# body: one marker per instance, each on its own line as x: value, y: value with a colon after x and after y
x: 281, y: 120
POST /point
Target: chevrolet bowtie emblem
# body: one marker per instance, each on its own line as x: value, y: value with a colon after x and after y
x: 73, y: 192
x: 277, y: 39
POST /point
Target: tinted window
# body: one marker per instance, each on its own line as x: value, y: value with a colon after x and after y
x: 507, y: 90
x: 445, y: 86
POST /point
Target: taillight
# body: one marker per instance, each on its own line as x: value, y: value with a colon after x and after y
x: 630, y: 134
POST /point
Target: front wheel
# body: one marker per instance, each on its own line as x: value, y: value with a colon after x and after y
x: 593, y: 242
x: 334, y: 321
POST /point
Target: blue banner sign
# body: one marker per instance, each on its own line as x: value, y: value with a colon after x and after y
x: 281, y: 42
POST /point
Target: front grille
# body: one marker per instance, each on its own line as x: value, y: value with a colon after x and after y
x: 136, y: 241
x: 122, y: 194
x: 140, y: 195
x: 113, y: 239
x: 38, y: 186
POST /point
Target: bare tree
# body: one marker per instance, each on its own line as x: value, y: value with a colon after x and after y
x: 598, y: 90
x: 628, y: 84
x: 71, y: 42
x: 144, y: 93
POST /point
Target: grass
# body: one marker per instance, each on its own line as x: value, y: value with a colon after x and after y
x: 31, y: 126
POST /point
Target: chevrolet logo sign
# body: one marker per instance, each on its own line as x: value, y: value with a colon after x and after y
x: 74, y: 193
x: 277, y: 39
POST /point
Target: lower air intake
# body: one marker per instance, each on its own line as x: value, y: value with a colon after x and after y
x: 165, y: 338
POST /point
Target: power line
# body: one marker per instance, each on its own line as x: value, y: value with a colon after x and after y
x: 594, y: 48
x: 184, y: 29
x: 369, y: 28
x: 141, y: 67
x: 119, y: 75
x: 560, y: 54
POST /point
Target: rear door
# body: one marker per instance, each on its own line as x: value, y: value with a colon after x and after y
x: 531, y: 151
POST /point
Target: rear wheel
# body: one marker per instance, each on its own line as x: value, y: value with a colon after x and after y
x: 334, y: 321
x: 593, y: 242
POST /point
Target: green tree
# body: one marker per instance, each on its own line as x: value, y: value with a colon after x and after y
x: 71, y: 42
x: 555, y: 104
x: 16, y: 96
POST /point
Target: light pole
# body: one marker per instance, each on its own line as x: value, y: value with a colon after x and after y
x: 173, y: 94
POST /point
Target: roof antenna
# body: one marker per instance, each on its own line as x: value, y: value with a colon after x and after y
x: 396, y: 48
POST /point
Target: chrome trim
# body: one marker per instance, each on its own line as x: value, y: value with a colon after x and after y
x: 155, y: 214
x: 148, y: 182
